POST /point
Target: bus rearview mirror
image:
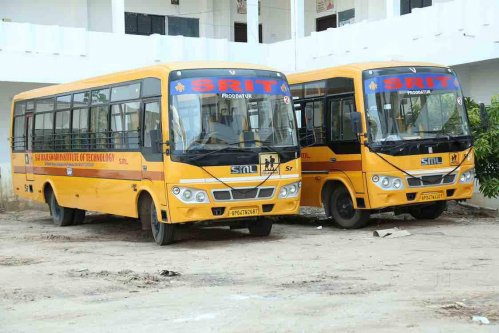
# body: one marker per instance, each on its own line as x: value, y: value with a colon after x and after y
x: 356, y: 122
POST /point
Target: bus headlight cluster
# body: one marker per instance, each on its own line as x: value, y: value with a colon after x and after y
x: 467, y: 177
x: 290, y: 191
x: 190, y: 195
x: 388, y: 182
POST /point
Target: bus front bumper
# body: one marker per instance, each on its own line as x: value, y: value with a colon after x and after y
x: 212, y: 210
x: 379, y: 198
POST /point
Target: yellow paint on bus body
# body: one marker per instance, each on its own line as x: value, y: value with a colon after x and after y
x: 112, y: 181
x: 321, y: 165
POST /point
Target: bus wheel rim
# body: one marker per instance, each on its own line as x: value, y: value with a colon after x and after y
x: 345, y: 206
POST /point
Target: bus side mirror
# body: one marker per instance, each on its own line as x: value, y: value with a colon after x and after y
x: 484, y: 117
x: 356, y: 122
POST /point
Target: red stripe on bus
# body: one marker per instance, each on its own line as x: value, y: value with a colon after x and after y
x: 107, y: 174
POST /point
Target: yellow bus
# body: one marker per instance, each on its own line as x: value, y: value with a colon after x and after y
x: 169, y: 144
x: 388, y: 136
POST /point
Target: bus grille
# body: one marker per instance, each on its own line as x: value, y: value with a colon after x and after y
x: 431, y: 180
x: 243, y: 194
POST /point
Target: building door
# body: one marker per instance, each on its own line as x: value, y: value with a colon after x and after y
x: 28, y: 156
x: 326, y: 22
x: 241, y: 33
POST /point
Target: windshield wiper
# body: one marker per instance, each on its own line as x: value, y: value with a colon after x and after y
x: 230, y: 146
x: 227, y: 148
x: 438, y: 134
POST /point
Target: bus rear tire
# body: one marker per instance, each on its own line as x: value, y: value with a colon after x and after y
x: 261, y: 227
x: 343, y: 212
x: 79, y: 216
x: 428, y: 212
x: 62, y: 216
x: 163, y: 233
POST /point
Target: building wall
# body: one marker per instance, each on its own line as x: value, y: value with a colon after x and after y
x: 66, y: 13
x: 480, y: 80
x: 275, y: 18
x: 99, y: 15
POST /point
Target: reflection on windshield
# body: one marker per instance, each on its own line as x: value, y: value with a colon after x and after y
x: 407, y: 114
x: 212, y: 121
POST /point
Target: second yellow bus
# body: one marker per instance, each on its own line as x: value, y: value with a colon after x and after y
x: 383, y: 136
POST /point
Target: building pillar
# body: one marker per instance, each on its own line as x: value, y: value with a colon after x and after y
x: 252, y: 21
x: 297, y: 19
x: 118, y: 16
x: 392, y: 8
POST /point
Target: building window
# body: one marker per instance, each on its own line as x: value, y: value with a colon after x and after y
x: 144, y: 24
x: 346, y: 17
x: 241, y: 33
x: 406, y: 6
x: 326, y: 22
x: 183, y: 26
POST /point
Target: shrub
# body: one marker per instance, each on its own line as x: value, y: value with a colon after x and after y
x: 486, y: 142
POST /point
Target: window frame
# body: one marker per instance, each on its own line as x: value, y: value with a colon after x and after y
x: 154, y: 92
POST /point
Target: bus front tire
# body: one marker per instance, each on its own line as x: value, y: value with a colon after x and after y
x: 163, y: 233
x: 343, y: 212
x: 62, y: 216
x: 261, y: 227
x: 428, y: 212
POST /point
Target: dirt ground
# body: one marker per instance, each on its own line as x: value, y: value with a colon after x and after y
x: 108, y: 275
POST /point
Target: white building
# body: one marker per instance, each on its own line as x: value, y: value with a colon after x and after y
x: 52, y: 41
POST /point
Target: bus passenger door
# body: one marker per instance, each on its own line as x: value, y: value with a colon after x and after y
x: 343, y: 140
x: 28, y: 156
x: 152, y: 156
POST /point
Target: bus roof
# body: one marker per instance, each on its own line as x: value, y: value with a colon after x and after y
x: 116, y: 77
x: 324, y: 73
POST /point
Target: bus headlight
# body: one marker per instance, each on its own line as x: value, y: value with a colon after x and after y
x: 467, y: 177
x: 190, y: 195
x: 200, y: 197
x: 290, y: 191
x: 388, y: 182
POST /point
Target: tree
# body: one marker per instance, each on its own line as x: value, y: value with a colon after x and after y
x: 486, y: 142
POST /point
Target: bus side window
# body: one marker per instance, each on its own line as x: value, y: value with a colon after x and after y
x: 152, y: 126
x: 44, y: 124
x: 99, y: 133
x: 335, y: 110
x: 19, y: 135
x: 347, y: 107
x: 314, y: 120
x: 79, y: 132
x: 341, y: 121
x: 125, y: 125
x: 62, y: 127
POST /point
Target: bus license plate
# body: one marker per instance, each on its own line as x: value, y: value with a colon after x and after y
x: 242, y: 212
x: 431, y: 196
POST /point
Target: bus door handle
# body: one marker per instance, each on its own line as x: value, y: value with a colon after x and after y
x: 332, y: 160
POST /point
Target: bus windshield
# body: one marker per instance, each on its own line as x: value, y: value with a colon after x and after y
x: 216, y: 112
x: 410, y: 106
